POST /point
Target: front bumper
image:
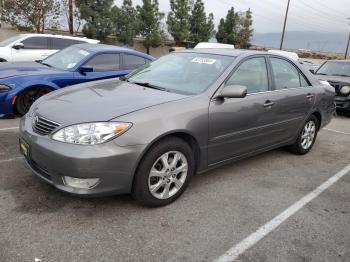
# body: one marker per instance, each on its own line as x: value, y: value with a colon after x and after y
x: 51, y: 160
x: 342, y: 103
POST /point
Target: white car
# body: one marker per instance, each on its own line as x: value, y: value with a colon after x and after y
x: 213, y: 45
x: 32, y: 47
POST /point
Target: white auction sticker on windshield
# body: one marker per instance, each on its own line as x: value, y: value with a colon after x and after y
x: 203, y: 60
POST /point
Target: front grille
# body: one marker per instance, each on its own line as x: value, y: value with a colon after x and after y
x: 43, y: 126
x: 337, y: 86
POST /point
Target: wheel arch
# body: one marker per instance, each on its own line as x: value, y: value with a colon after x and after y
x: 14, y: 99
x: 318, y: 115
x: 3, y: 60
x: 182, y: 134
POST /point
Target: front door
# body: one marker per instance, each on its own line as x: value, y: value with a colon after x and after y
x: 238, y: 126
x: 104, y: 66
x: 34, y: 48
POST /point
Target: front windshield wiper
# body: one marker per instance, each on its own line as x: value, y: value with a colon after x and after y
x: 148, y: 85
x: 321, y: 74
x: 43, y: 63
x: 340, y: 75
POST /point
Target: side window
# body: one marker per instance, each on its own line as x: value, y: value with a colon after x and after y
x: 36, y: 43
x: 133, y: 62
x: 252, y: 73
x: 285, y: 74
x: 60, y: 43
x: 105, y: 62
x: 303, y: 81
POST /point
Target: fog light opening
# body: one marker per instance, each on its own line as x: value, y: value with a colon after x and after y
x: 81, y: 183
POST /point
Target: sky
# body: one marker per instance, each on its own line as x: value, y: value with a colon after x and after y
x: 268, y: 15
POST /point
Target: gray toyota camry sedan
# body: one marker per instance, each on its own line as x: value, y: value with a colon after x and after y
x: 187, y: 112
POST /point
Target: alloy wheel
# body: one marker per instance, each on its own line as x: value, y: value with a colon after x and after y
x: 168, y: 174
x: 308, y: 135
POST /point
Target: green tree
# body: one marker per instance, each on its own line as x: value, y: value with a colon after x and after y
x: 34, y: 15
x: 179, y: 20
x: 246, y: 31
x: 149, y: 27
x: 125, y: 22
x: 236, y: 28
x: 97, y: 16
x: 201, y: 26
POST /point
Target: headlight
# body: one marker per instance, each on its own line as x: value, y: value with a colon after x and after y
x: 345, y: 90
x: 4, y: 88
x: 91, y: 133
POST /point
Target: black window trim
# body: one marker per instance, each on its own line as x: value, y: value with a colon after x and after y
x: 295, y: 66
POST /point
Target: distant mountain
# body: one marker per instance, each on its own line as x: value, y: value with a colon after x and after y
x: 324, y: 42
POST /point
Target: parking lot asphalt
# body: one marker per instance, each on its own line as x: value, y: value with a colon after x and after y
x: 219, y: 209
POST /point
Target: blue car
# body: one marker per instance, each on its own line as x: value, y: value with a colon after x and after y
x: 22, y: 83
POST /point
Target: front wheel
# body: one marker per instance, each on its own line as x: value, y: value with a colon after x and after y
x: 164, y: 173
x: 306, y: 137
x: 26, y: 99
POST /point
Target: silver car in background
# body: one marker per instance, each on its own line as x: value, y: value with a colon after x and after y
x: 184, y: 113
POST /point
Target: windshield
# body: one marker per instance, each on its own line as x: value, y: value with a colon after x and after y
x: 10, y: 40
x: 67, y: 58
x: 190, y: 73
x: 334, y: 68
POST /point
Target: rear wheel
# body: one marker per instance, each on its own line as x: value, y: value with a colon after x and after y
x: 306, y: 138
x: 27, y: 98
x: 164, y: 173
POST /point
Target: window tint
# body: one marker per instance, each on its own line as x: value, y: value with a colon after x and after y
x: 252, y: 73
x: 104, y: 62
x: 35, y: 43
x: 133, y: 62
x: 284, y: 74
x: 60, y: 43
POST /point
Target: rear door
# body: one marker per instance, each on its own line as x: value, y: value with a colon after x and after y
x: 238, y: 126
x: 35, y: 48
x: 293, y: 96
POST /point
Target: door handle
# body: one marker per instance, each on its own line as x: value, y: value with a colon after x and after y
x: 310, y: 96
x: 268, y: 103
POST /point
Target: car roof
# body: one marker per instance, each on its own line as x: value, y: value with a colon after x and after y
x: 102, y: 47
x: 339, y: 61
x: 88, y: 40
x: 224, y: 51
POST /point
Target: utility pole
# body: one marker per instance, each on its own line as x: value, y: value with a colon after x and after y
x: 347, y: 46
x: 284, y: 25
x: 70, y: 17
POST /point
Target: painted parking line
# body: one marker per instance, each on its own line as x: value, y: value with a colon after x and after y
x: 11, y: 159
x: 9, y: 128
x: 233, y: 253
x: 336, y: 131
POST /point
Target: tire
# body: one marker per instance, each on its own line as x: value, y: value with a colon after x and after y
x: 27, y: 98
x: 168, y: 181
x: 306, y: 137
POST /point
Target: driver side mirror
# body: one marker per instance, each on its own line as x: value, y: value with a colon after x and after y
x: 18, y: 46
x: 86, y: 69
x: 233, y: 91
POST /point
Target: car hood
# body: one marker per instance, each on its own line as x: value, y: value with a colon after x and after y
x: 23, y: 69
x: 99, y: 101
x: 342, y: 79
